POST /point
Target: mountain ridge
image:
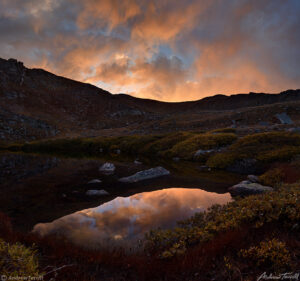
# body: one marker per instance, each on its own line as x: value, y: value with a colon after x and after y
x: 35, y: 103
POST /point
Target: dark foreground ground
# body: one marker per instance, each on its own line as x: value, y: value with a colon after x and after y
x: 238, y: 241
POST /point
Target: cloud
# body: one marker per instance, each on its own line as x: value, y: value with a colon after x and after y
x: 168, y: 50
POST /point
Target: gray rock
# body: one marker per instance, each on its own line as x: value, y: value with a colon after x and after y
x: 294, y: 130
x: 243, y: 166
x: 145, y: 175
x: 95, y: 192
x: 94, y: 181
x: 203, y: 152
x: 284, y: 118
x: 107, y: 168
x: 204, y: 168
x: 243, y: 189
x: 137, y: 162
x: 253, y: 178
x: 176, y: 159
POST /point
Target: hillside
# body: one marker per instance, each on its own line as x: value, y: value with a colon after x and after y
x: 36, y: 104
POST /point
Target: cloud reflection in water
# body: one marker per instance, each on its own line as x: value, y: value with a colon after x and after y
x: 127, y: 219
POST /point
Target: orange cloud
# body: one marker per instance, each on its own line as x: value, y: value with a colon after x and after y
x: 167, y: 50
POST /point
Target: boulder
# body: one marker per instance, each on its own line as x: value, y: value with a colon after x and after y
x: 244, y: 189
x: 145, y: 175
x: 95, y: 192
x: 94, y: 181
x: 137, y: 162
x: 284, y: 118
x: 107, y: 168
x: 253, y: 178
x: 243, y: 166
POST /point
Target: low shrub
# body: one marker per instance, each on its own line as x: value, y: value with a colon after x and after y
x: 18, y: 260
x: 273, y: 177
x: 272, y: 254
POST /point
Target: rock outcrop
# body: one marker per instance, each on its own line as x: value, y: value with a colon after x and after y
x: 146, y: 175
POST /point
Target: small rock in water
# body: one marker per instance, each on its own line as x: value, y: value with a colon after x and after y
x: 118, y: 151
x: 145, y: 175
x: 253, y: 178
x: 176, y: 159
x: 94, y: 181
x: 137, y: 162
x: 94, y: 192
x: 107, y: 168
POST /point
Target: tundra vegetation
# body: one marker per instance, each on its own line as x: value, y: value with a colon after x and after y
x: 236, y: 241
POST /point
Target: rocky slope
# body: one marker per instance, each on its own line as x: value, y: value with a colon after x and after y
x: 36, y: 104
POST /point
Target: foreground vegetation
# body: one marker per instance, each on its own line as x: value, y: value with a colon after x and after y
x: 237, y: 241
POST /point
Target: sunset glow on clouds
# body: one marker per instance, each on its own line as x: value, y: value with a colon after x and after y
x: 167, y: 50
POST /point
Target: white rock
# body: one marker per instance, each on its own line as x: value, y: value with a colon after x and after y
x: 137, y: 162
x: 145, y: 175
x: 94, y: 192
x: 94, y: 181
x: 203, y: 152
x: 107, y: 168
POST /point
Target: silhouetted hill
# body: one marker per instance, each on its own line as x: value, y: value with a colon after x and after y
x: 35, y: 103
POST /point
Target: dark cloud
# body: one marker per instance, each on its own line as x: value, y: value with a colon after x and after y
x: 212, y: 46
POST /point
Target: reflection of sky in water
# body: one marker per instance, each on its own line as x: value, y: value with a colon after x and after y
x: 129, y: 218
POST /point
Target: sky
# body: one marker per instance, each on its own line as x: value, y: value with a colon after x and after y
x: 170, y: 50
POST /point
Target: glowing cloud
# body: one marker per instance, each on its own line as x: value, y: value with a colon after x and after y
x: 167, y: 50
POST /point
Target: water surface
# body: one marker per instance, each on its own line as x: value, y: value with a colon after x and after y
x: 127, y: 219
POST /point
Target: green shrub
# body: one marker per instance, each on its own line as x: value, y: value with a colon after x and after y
x: 222, y: 160
x: 165, y: 143
x: 264, y: 147
x: 279, y: 154
x: 187, y: 148
x: 271, y: 253
x: 18, y: 260
x: 273, y: 177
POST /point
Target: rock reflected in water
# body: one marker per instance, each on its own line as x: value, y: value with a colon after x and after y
x: 126, y: 219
